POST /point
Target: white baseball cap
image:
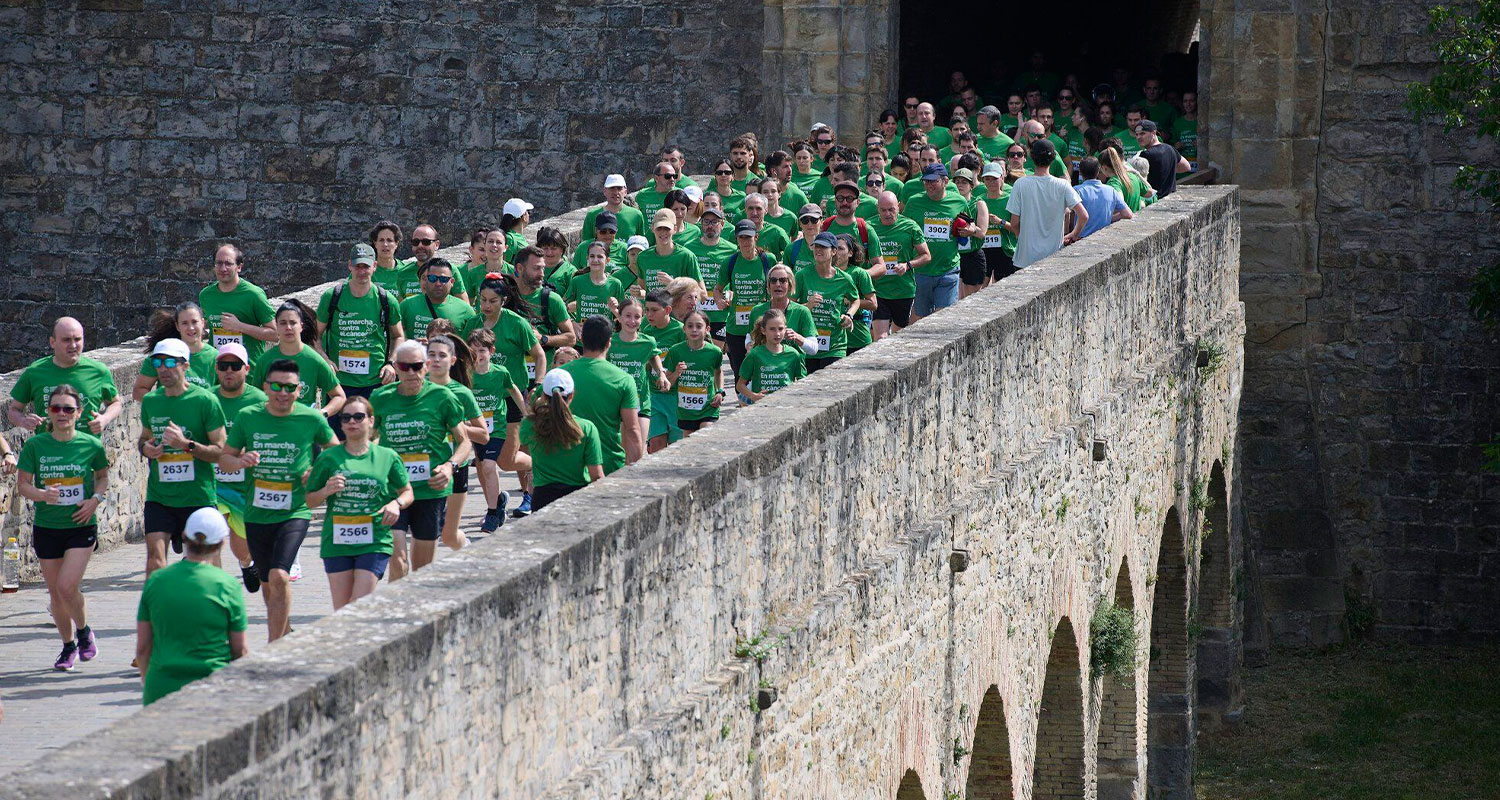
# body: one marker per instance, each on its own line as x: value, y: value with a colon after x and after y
x: 173, y: 348
x: 515, y: 207
x: 693, y: 192
x: 557, y: 380
x: 637, y: 242
x: 206, y: 526
x: 614, y: 180
x: 235, y: 349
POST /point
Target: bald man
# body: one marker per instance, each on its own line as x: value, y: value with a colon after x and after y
x: 904, y: 248
x: 1030, y: 131
x: 67, y: 364
x: 937, y: 135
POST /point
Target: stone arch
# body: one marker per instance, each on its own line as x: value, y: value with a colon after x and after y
x: 911, y: 787
x: 1118, y: 769
x: 1058, y: 773
x: 990, y: 774
x: 1170, y: 729
x: 1218, y: 641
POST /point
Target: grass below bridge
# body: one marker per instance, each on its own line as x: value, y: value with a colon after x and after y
x: 1370, y: 721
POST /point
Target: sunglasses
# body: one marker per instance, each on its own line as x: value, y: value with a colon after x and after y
x: 229, y: 366
x: 424, y: 242
x: 723, y: 172
x: 778, y: 280
x: 668, y: 175
x: 411, y: 366
x: 63, y: 409
x: 353, y: 416
x: 1016, y: 155
x: 165, y: 362
x: 439, y: 279
x: 825, y: 141
x: 874, y: 183
x: 276, y: 386
x: 912, y: 105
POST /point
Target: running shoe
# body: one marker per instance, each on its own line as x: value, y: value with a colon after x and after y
x: 87, y: 648
x: 67, y: 659
x: 177, y: 542
x: 491, y: 522
x: 251, y: 579
x: 295, y: 573
x: 524, y: 508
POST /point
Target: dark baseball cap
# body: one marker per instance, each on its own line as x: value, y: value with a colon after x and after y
x: 1145, y: 125
x: 850, y: 185
x: 606, y: 220
x: 825, y: 239
x: 745, y: 228
x: 932, y: 172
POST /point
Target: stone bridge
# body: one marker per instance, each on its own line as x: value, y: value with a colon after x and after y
x: 878, y: 583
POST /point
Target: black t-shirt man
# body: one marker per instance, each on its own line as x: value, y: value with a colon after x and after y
x: 1163, y: 159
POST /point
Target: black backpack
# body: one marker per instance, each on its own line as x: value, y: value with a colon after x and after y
x: 333, y: 316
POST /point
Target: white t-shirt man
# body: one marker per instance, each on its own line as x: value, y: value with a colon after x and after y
x: 1042, y: 202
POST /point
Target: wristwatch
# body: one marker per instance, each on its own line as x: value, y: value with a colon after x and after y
x: 191, y: 445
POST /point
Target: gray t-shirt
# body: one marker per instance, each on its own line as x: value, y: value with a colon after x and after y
x: 1041, y: 202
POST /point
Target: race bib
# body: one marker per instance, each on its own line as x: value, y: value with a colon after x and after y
x: 273, y: 495
x: 993, y: 240
x: 223, y: 336
x: 938, y: 230
x: 708, y: 305
x: 175, y: 468
x: 742, y: 314
x: 418, y: 466
x: 489, y: 421
x: 530, y: 367
x: 825, y: 339
x: 692, y: 398
x: 354, y: 362
x: 69, y: 490
x: 353, y: 530
x: 238, y: 476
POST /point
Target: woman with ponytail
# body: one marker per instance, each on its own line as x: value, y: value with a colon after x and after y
x: 449, y: 364
x: 297, y: 329
x: 566, y: 453
x: 184, y: 322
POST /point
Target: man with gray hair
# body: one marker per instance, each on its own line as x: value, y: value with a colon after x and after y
x: 770, y: 238
x: 991, y: 140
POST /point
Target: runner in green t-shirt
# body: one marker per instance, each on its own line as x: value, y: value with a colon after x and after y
x: 235, y: 394
x: 639, y: 356
x: 666, y: 331
x: 771, y: 364
x: 185, y: 322
x: 418, y: 418
x: 732, y: 200
x: 999, y: 242
x: 548, y: 310
x: 65, y: 472
x: 712, y: 250
x: 779, y: 205
x: 366, y: 488
x: 833, y: 300
x: 805, y: 175
x: 629, y: 219
x: 594, y: 291
x: 693, y: 368
x: 1185, y: 127
x: 849, y: 258
x: 500, y: 402
x: 802, y: 331
x: 606, y: 232
x: 739, y: 286
x: 566, y: 448
x: 296, y: 325
x: 191, y: 617
x: 448, y: 365
x: 665, y: 261
x: 363, y: 331
x: 903, y: 249
x: 67, y: 364
x: 936, y: 209
x: 607, y: 396
x: 236, y: 309
x: 653, y: 198
x: 768, y: 237
x: 435, y: 301
x: 274, y: 442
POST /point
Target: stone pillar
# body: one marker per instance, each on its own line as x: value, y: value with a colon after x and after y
x: 830, y: 61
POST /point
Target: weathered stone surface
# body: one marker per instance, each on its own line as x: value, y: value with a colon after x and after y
x: 611, y: 646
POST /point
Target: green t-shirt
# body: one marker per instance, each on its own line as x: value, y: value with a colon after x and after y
x: 417, y: 314
x: 177, y: 479
x: 548, y: 314
x: 634, y: 358
x: 798, y: 318
x: 192, y: 609
x: 248, y: 303
x: 1162, y: 113
x: 939, y: 137
x: 1131, y: 191
x: 514, y: 338
x: 837, y: 291
x: 473, y: 279
x: 563, y: 466
x: 732, y: 203
x: 601, y: 392
x: 680, y: 263
x: 201, y: 371
x: 664, y: 337
x: 275, y: 488
x: 91, y: 378
x: 409, y: 283
x: 352, y: 525
x: 870, y: 241
x: 650, y: 201
x: 559, y: 275
x: 773, y: 239
x: 593, y: 298
x: 389, y: 279
x: 418, y: 427
x: 898, y: 243
x: 491, y: 388
x: 766, y: 371
x: 632, y: 222
x: 315, y: 375
x: 618, y: 257
x: 997, y: 235
x: 711, y: 259
x: 744, y: 280
x: 993, y: 146
x: 798, y: 255
x: 793, y: 198
x: 357, y: 342
x: 1185, y: 137
x: 691, y: 232
x: 231, y: 486
x: 859, y: 335
x: 695, y: 386
x: 786, y: 221
x: 66, y: 466
x: 935, y: 218
x: 515, y: 242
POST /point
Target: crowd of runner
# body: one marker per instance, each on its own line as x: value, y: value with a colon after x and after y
x: 558, y: 366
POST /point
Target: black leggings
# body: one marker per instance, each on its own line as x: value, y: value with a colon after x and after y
x: 737, y: 352
x: 274, y: 545
x: 543, y: 494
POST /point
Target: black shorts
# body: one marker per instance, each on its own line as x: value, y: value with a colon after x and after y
x: 461, y: 480
x: 274, y: 545
x: 815, y: 364
x: 682, y: 424
x: 168, y: 519
x: 489, y: 451
x: 898, y: 312
x: 512, y: 411
x: 549, y: 492
x: 1001, y: 266
x: 423, y: 519
x: 971, y: 268
x: 54, y: 542
x: 716, y: 330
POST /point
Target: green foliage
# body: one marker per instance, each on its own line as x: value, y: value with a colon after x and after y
x: 1216, y: 353
x: 759, y: 646
x: 1113, y: 643
x: 959, y: 751
x: 1359, y: 615
x: 1062, y: 508
x: 1492, y: 455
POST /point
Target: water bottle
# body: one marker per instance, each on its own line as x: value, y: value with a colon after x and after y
x: 10, y: 580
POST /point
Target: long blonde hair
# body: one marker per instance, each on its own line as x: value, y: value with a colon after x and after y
x: 758, y: 333
x: 553, y: 423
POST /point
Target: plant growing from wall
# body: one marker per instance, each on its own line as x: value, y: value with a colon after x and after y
x: 1464, y: 95
x: 1113, y: 643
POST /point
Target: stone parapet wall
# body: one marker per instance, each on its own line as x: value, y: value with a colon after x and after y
x: 878, y: 544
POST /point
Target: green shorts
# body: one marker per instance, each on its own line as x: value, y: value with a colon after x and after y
x: 235, y: 519
x: 664, y: 416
